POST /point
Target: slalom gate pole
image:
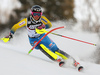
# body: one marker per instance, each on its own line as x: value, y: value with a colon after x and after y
x: 44, y: 37
x: 74, y: 39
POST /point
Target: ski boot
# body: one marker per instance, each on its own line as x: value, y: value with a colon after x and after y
x: 61, y: 63
x: 80, y: 68
x: 77, y: 64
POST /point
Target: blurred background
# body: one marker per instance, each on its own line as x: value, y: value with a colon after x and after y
x: 81, y: 15
x: 83, y: 12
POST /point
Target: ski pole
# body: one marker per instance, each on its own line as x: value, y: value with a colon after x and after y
x: 74, y: 39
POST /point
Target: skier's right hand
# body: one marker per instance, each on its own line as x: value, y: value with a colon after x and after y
x: 41, y: 27
x: 7, y: 38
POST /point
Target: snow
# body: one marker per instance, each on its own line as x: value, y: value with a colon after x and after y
x: 15, y: 61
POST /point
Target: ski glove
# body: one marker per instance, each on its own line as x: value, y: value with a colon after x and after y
x: 40, y: 29
x: 7, y: 38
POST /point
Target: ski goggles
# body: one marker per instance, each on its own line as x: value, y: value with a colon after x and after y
x: 36, y: 13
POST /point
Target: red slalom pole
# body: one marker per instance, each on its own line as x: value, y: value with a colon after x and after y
x: 74, y: 39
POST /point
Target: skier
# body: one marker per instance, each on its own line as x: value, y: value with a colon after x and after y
x: 36, y: 25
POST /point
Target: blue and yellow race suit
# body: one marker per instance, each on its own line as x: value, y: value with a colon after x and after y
x: 47, y: 46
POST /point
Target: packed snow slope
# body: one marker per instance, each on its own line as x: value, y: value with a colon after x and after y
x: 15, y: 61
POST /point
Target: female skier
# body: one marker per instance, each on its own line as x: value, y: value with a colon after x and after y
x: 36, y: 25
